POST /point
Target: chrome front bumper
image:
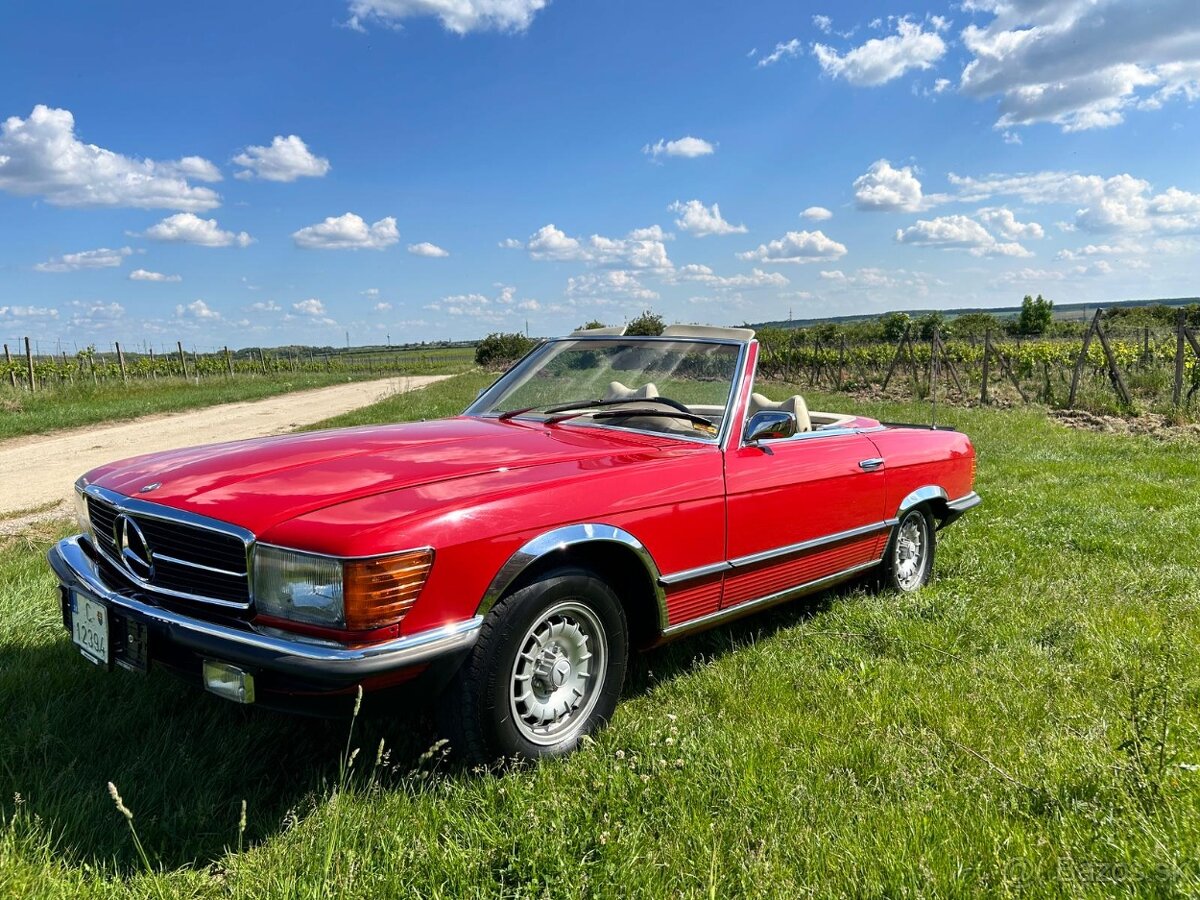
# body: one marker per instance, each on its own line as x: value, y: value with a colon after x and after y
x: 308, y: 660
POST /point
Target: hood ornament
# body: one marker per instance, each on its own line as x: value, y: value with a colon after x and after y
x: 150, y: 487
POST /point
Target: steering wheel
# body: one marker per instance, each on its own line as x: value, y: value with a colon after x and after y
x: 665, y: 401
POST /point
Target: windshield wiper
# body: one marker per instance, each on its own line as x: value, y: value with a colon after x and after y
x: 557, y: 407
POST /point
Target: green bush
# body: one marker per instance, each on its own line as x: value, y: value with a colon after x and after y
x: 500, y: 348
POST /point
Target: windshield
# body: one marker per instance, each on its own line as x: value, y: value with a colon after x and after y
x: 675, y: 387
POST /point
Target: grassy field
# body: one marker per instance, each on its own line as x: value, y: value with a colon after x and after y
x: 70, y: 406
x: 1027, y: 725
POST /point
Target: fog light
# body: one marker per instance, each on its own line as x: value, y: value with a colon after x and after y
x: 228, y: 681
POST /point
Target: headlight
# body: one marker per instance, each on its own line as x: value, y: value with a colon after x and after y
x: 298, y: 586
x: 82, y: 516
x: 350, y: 594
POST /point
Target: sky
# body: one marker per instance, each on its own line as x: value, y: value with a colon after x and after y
x: 405, y: 170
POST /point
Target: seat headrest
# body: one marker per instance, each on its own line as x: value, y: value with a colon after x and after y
x: 618, y: 391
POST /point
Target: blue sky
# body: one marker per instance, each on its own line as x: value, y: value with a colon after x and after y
x: 270, y: 173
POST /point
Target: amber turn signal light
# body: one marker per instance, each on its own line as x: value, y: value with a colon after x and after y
x: 378, y: 592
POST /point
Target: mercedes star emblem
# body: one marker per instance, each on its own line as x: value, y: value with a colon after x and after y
x: 135, y: 552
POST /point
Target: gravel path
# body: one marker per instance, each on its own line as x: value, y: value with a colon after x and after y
x: 37, y: 472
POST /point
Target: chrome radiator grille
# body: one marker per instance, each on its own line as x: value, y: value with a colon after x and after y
x: 171, y: 553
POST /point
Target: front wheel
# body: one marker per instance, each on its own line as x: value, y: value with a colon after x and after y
x: 908, y: 562
x: 547, y: 669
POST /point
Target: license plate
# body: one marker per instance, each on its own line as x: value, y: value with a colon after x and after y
x: 89, y: 628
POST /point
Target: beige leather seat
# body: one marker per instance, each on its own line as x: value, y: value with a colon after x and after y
x: 794, y: 405
x: 618, y: 391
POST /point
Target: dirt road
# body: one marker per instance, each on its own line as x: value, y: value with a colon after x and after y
x: 37, y: 473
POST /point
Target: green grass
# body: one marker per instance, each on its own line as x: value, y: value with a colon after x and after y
x: 71, y: 406
x: 1027, y: 725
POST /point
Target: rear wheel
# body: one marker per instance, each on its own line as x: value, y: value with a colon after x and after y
x: 547, y: 669
x: 908, y: 562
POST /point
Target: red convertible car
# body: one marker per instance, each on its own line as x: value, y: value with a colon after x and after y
x: 607, y: 492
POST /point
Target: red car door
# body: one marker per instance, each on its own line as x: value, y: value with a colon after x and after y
x: 811, y: 509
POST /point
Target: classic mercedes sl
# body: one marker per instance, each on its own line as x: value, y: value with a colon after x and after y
x: 607, y: 492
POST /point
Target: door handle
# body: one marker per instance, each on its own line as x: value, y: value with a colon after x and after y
x: 870, y: 465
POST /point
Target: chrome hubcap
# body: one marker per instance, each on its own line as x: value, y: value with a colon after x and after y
x: 558, y: 673
x: 911, y: 547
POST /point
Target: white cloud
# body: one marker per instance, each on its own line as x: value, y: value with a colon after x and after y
x: 1098, y: 250
x: 427, y: 249
x: 188, y: 228
x: 817, y: 214
x: 1001, y: 220
x: 1119, y: 204
x: 700, y: 220
x: 511, y: 244
x: 619, y: 282
x: 459, y: 16
x: 197, y: 310
x: 797, y: 247
x: 41, y: 156
x: 310, y: 307
x: 880, y: 60
x: 782, y: 49
x: 688, y: 146
x: 641, y: 249
x: 940, y: 85
x: 286, y: 159
x: 85, y: 259
x: 13, y: 313
x: 1011, y: 137
x: 266, y: 306
x: 884, y: 188
x: 957, y: 233
x: 824, y: 24
x: 382, y: 307
x: 493, y: 310
x: 91, y: 317
x: 348, y: 232
x: 370, y: 292
x: 146, y: 275
x: 756, y: 279
x: 1082, y: 65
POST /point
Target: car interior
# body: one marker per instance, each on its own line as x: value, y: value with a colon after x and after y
x: 806, y: 420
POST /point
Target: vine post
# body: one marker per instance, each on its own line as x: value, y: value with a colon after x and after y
x: 12, y: 373
x: 182, y: 358
x: 29, y: 366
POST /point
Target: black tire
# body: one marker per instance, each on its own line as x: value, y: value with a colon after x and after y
x: 479, y: 713
x: 895, y: 574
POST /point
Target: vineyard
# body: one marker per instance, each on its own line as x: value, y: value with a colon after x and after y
x: 41, y: 371
x: 1119, y: 371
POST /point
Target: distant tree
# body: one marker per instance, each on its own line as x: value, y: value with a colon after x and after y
x: 894, y: 325
x: 648, y: 323
x: 925, y: 326
x: 975, y: 323
x: 502, y: 348
x: 588, y: 326
x: 1036, y: 315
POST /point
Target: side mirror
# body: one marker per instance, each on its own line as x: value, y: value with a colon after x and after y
x: 770, y: 424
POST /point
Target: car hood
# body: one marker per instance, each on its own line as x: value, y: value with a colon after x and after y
x: 261, y: 482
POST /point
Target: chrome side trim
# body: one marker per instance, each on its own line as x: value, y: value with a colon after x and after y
x: 921, y: 495
x: 765, y: 555
x: 732, y: 612
x: 560, y: 539
x: 76, y: 569
x: 690, y: 574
